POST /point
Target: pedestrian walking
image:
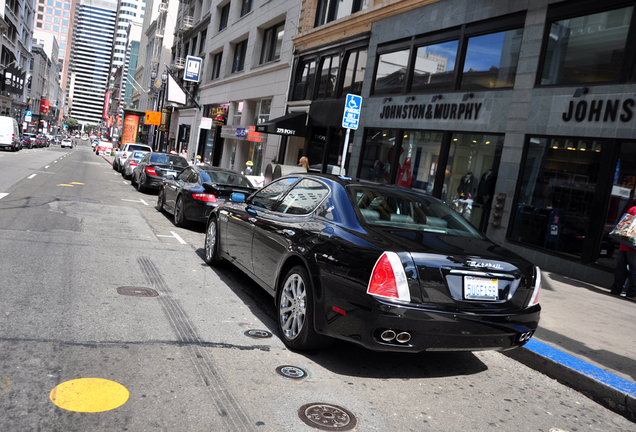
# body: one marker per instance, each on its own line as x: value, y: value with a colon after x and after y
x: 625, y: 268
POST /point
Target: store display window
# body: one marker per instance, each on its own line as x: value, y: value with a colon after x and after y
x: 556, y: 193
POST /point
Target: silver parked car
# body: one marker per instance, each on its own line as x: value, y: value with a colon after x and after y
x: 131, y: 162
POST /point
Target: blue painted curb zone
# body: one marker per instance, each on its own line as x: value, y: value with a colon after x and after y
x: 580, y: 366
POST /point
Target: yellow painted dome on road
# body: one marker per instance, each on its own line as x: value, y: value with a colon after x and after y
x: 89, y: 395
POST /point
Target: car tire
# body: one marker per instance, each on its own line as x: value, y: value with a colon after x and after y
x: 140, y: 186
x: 295, y: 307
x: 160, y: 199
x: 115, y: 166
x: 179, y: 216
x: 211, y: 245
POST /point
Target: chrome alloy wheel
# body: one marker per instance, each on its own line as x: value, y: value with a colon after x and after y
x: 210, y: 241
x: 293, y: 306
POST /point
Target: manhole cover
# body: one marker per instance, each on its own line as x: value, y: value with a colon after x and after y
x: 292, y: 372
x: 258, y: 334
x: 327, y: 417
x: 137, y: 291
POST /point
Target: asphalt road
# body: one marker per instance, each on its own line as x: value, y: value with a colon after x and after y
x: 74, y: 233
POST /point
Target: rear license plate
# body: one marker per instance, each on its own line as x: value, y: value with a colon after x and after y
x: 172, y: 173
x: 476, y: 288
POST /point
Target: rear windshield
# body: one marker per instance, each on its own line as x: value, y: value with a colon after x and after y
x: 228, y: 178
x: 138, y: 147
x: 166, y: 159
x: 408, y: 210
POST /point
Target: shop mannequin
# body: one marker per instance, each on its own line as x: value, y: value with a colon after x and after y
x: 467, y: 186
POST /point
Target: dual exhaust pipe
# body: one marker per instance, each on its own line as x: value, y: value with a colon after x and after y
x: 390, y: 336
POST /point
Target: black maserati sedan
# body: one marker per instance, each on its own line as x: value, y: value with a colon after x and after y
x: 197, y: 190
x: 382, y: 266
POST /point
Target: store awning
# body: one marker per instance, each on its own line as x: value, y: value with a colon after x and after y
x: 294, y: 124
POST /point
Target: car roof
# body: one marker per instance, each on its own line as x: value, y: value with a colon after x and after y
x: 208, y: 167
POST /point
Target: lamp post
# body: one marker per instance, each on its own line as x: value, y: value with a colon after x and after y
x: 158, y: 92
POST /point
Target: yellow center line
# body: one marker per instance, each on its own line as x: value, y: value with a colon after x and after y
x: 68, y: 185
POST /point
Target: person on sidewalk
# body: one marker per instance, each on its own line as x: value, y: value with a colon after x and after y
x: 626, y: 257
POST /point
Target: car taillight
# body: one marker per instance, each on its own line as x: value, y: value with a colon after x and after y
x: 133, y: 163
x: 151, y: 171
x: 534, y: 300
x: 204, y: 197
x: 388, y: 279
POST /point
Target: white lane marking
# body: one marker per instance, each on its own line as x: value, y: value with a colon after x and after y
x: 31, y: 176
x: 2, y: 195
x: 55, y: 161
x: 46, y: 166
x: 141, y: 201
x: 174, y: 235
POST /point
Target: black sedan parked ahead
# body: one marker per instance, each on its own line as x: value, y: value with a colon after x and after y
x: 154, y: 167
x: 197, y: 190
x: 381, y: 266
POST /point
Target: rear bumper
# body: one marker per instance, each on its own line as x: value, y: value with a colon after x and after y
x: 152, y: 182
x: 429, y: 329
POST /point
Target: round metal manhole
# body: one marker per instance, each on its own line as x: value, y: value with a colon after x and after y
x: 327, y: 417
x: 292, y: 372
x: 258, y: 334
x: 137, y: 291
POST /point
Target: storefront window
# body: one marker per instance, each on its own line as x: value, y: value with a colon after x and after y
x: 621, y: 199
x: 390, y: 75
x: 328, y: 76
x: 418, y: 160
x: 355, y: 64
x: 587, y: 49
x: 471, y: 175
x: 556, y: 193
x: 491, y: 60
x: 304, y: 87
x: 375, y: 164
x: 434, y: 66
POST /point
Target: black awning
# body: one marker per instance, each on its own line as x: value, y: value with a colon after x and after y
x: 294, y: 124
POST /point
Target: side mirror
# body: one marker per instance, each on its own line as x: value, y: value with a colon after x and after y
x: 238, y: 197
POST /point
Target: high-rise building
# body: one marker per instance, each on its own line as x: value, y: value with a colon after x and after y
x: 90, y: 59
x: 56, y: 17
x: 129, y: 11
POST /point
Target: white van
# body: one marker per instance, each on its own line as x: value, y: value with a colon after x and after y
x: 9, y: 134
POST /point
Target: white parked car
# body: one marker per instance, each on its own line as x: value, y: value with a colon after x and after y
x: 127, y: 149
x: 66, y: 143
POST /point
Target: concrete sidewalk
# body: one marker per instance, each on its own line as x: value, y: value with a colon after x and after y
x: 587, y: 341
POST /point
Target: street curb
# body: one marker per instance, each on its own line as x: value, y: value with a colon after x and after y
x: 106, y: 159
x: 609, y: 390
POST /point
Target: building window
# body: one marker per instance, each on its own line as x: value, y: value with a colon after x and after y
x: 47, y: 26
x: 328, y: 79
x: 390, y: 75
x: 587, y: 48
x: 246, y: 6
x: 40, y: 17
x: 354, y: 66
x: 216, y: 65
x: 263, y: 110
x: 304, y: 87
x: 40, y: 8
x: 489, y: 60
x: 39, y: 25
x: 556, y: 194
x: 56, y: 20
x: 194, y: 46
x: 204, y: 35
x: 330, y: 10
x: 238, y: 113
x: 225, y: 14
x: 435, y: 66
x: 272, y: 43
x: 238, y: 62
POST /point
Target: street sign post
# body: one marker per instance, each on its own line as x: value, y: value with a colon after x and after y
x: 28, y: 116
x: 350, y: 120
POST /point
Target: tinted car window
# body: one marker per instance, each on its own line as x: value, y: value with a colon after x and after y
x: 270, y: 194
x: 172, y: 160
x: 410, y: 211
x: 227, y: 178
x: 137, y: 147
x: 304, y: 197
x: 183, y: 175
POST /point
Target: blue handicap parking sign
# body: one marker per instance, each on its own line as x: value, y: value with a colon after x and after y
x: 351, y: 116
